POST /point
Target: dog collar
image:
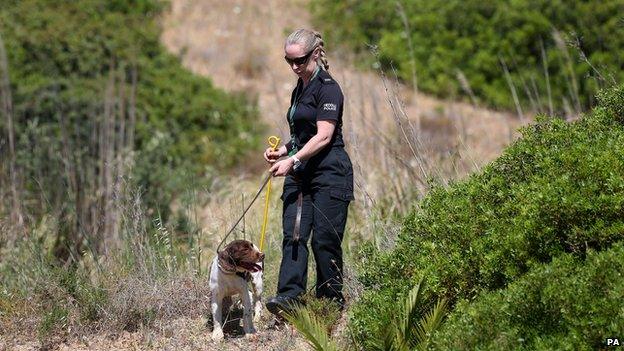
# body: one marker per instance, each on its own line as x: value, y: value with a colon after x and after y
x: 222, y: 266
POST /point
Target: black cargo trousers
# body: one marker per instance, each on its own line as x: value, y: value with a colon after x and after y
x: 326, y: 186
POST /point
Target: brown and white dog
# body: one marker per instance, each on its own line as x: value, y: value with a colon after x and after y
x: 237, y: 264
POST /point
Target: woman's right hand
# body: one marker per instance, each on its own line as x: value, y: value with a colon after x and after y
x: 271, y: 156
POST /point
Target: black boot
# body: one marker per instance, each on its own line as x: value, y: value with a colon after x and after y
x: 282, y: 304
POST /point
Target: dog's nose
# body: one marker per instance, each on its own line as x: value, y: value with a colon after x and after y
x: 262, y: 255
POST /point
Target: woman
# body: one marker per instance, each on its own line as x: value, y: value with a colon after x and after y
x: 319, y: 176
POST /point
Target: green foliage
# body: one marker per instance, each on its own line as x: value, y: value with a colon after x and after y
x: 611, y: 101
x: 474, y: 38
x: 569, y: 304
x: 73, y: 63
x: 557, y: 190
x: 408, y: 331
x: 312, y: 329
x: 326, y: 310
x: 315, y: 321
x: 61, y: 290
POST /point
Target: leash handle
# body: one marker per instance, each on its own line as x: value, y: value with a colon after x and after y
x: 273, y: 143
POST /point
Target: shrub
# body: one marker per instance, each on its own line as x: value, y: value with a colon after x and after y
x: 451, y: 39
x: 557, y: 190
x: 410, y: 329
x: 569, y: 304
x: 81, y: 69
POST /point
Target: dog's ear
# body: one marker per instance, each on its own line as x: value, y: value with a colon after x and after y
x: 227, y: 255
x: 223, y: 255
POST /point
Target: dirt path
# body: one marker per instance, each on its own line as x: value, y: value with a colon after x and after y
x: 178, y: 335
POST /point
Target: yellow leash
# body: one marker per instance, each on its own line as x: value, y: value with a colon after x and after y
x: 273, y: 143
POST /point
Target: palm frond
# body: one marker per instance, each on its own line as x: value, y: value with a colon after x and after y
x: 410, y: 311
x: 429, y: 323
x: 386, y: 342
x: 311, y: 329
x: 411, y: 330
x: 393, y: 339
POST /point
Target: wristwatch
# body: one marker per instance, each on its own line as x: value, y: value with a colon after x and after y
x: 297, y: 163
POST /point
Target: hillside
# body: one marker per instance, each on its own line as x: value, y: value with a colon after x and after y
x: 537, y: 55
x: 92, y: 86
x: 518, y: 246
x: 240, y: 46
x: 175, y: 189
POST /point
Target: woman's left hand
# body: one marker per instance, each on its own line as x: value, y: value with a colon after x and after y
x: 282, y: 168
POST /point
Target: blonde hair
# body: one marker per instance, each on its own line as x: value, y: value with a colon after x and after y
x: 310, y: 40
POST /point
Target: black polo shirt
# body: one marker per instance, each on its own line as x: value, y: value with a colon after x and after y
x: 320, y: 100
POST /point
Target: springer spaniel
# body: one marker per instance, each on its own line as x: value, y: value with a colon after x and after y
x: 237, y: 264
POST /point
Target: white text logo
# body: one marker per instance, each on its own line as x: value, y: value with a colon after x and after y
x: 329, y: 107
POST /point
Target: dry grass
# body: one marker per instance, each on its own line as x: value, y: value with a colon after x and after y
x: 396, y: 138
x: 142, y: 294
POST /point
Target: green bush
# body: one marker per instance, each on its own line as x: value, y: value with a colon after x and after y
x: 71, y: 62
x: 569, y: 304
x: 557, y: 190
x: 474, y: 37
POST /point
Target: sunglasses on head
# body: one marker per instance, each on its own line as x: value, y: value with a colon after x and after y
x: 299, y: 60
